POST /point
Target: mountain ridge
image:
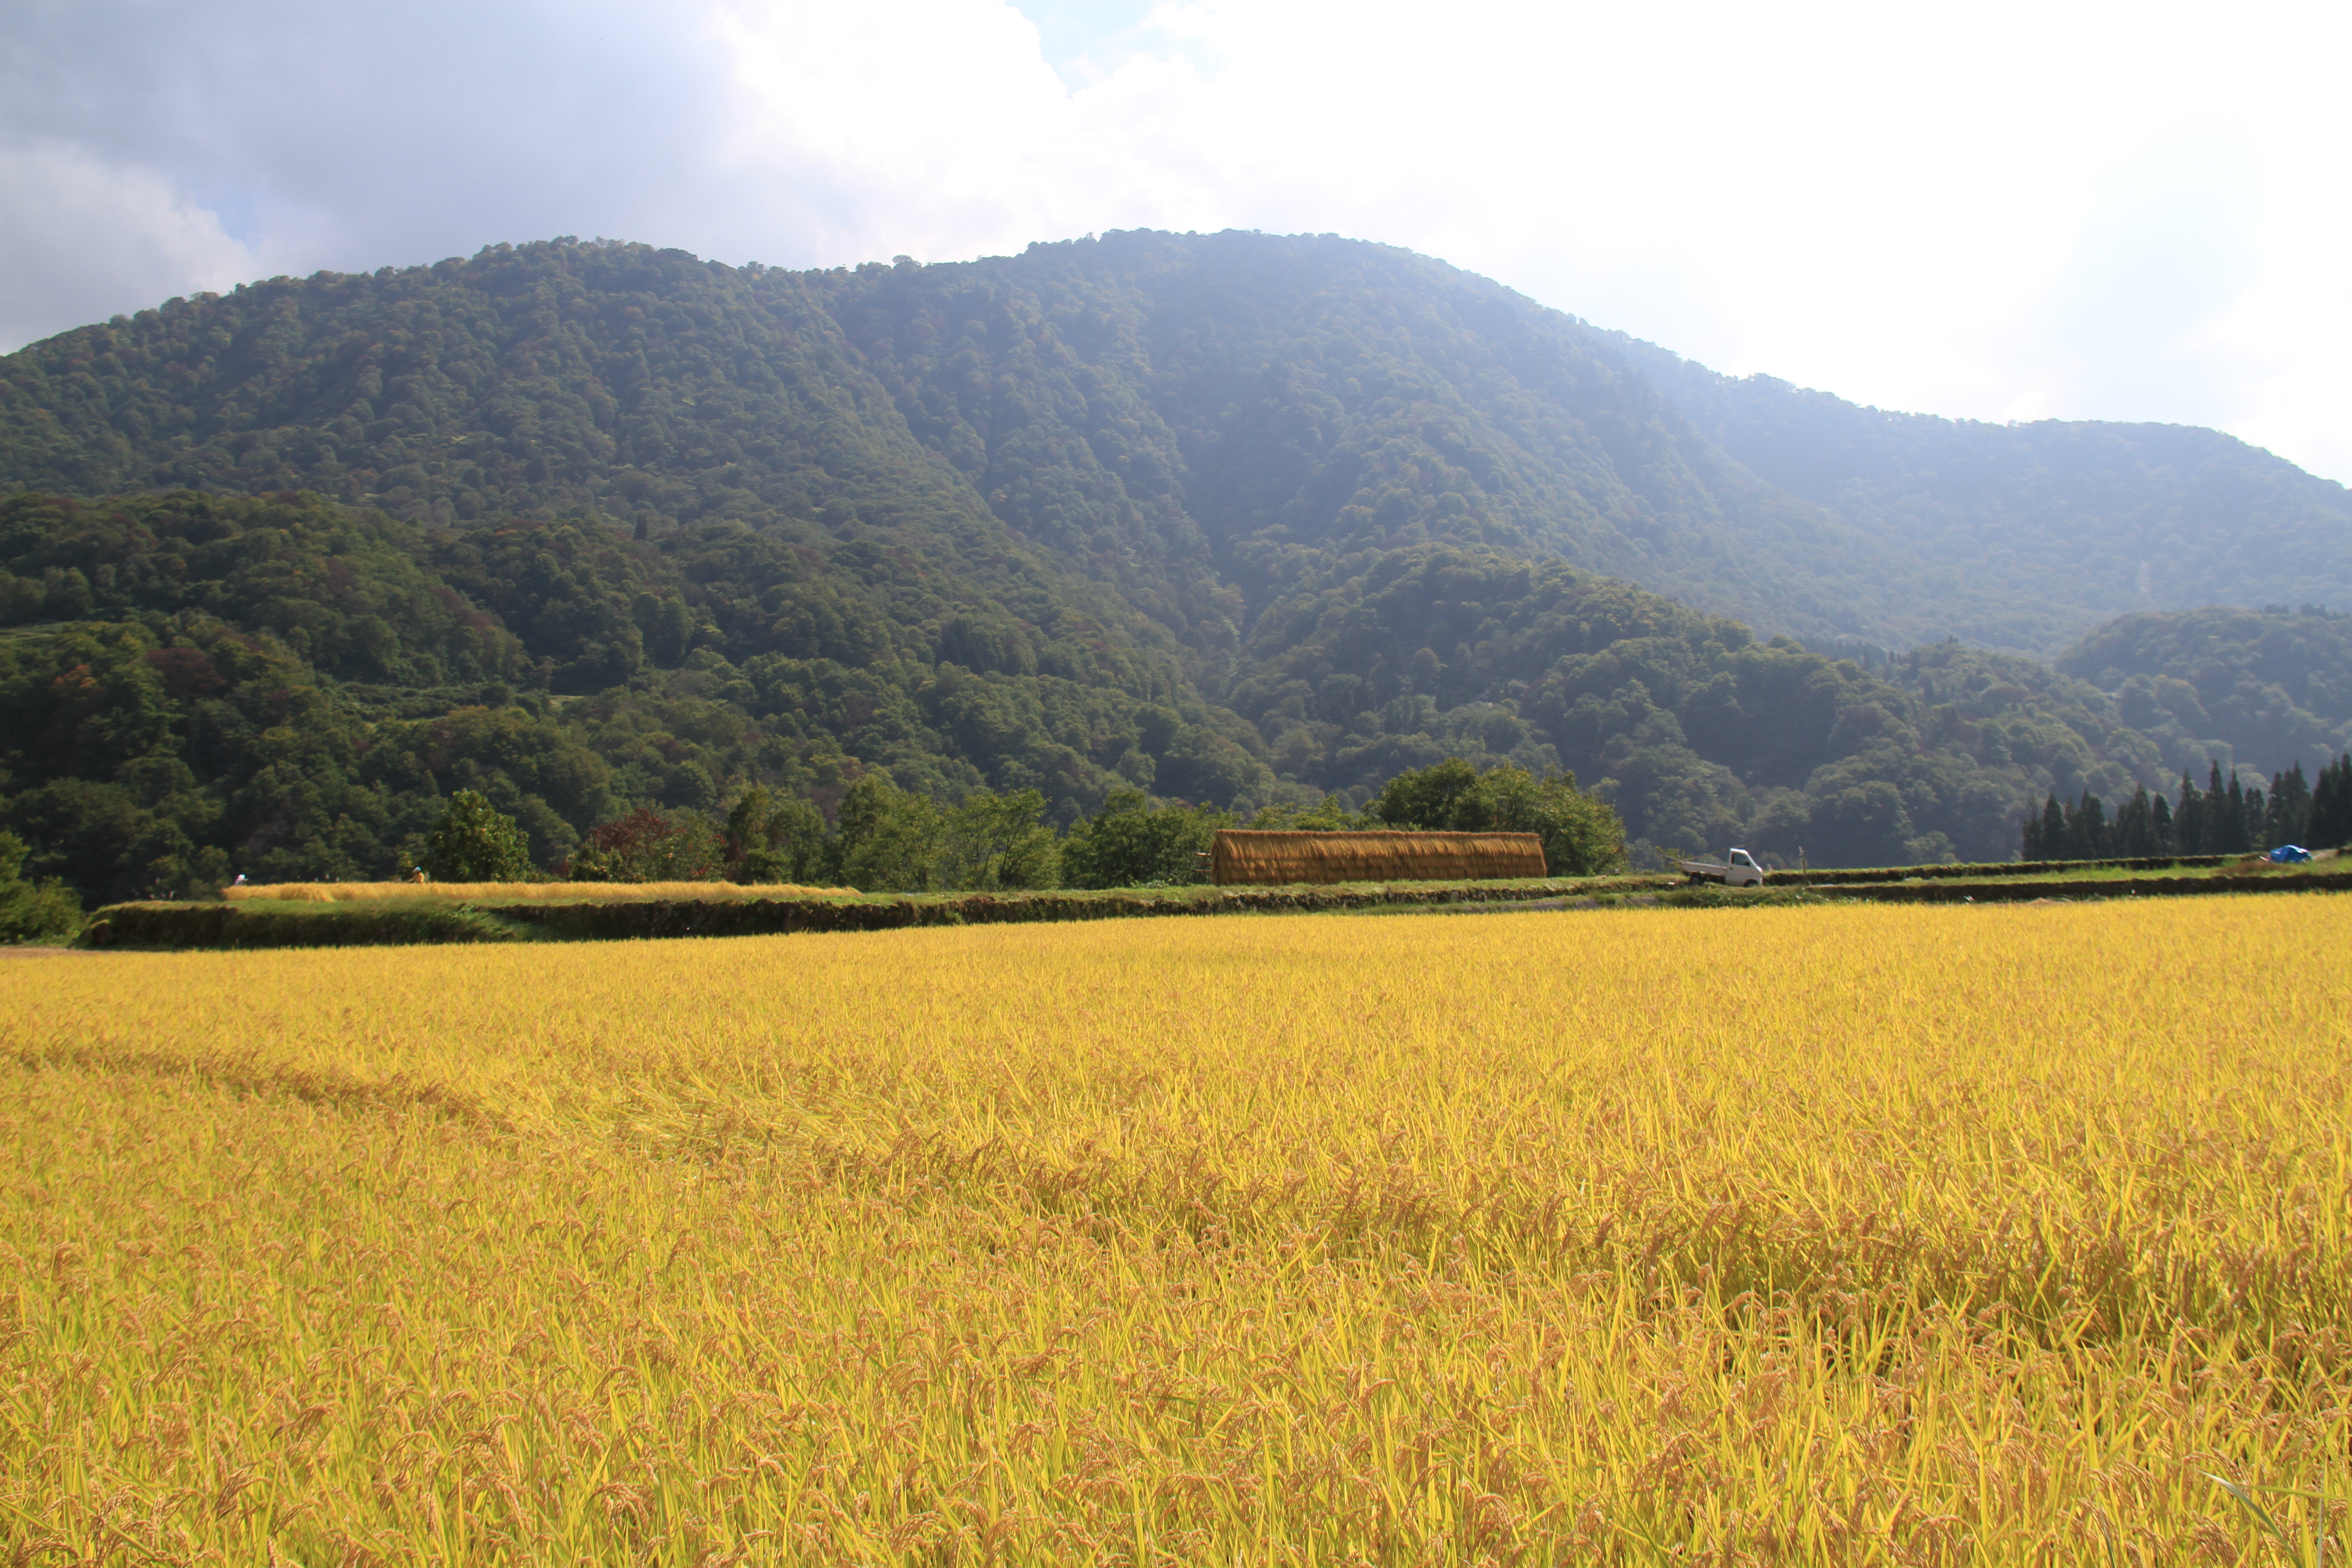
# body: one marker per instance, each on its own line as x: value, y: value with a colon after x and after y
x: 1232, y: 518
x: 2132, y: 518
x: 1254, y: 395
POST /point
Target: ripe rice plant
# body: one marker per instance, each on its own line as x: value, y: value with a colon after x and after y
x: 1834, y: 1235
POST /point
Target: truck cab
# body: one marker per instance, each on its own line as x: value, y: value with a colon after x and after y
x: 1737, y: 869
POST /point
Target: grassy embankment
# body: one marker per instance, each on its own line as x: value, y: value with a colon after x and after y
x: 1839, y: 1234
x: 388, y: 914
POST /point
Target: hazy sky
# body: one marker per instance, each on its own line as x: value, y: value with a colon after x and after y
x: 1998, y: 211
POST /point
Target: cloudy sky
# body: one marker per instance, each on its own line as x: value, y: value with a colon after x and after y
x: 1998, y: 211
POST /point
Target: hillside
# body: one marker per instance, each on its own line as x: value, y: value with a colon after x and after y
x: 1255, y: 409
x: 1698, y: 732
x: 284, y: 687
x: 2266, y: 688
x: 1232, y: 518
x: 1184, y: 415
x: 2026, y: 536
x: 198, y: 685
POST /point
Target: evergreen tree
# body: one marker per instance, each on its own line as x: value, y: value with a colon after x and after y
x: 2087, y: 828
x: 2160, y: 833
x: 2328, y: 825
x: 2188, y: 819
x: 2135, y: 831
x: 2214, y: 832
x: 2290, y: 807
x: 2234, y: 818
x: 2053, y: 842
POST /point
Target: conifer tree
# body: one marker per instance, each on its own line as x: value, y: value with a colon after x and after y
x: 2045, y: 836
x: 2290, y: 807
x: 2188, y: 819
x: 2087, y: 829
x: 2135, y: 834
x: 2329, y: 824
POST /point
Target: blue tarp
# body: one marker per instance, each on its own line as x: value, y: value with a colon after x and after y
x: 2287, y: 854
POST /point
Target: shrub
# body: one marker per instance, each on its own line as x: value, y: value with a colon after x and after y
x: 47, y: 912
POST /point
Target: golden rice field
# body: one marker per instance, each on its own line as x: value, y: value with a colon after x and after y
x: 1837, y: 1234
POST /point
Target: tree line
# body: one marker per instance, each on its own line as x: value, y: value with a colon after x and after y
x: 2226, y: 818
x: 193, y: 686
x: 886, y: 839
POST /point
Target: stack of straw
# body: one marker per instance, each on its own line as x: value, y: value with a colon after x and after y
x: 1258, y: 858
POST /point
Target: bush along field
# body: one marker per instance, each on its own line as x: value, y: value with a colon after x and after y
x: 1828, y: 1235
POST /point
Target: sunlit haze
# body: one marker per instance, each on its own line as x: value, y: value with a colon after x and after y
x: 1998, y: 211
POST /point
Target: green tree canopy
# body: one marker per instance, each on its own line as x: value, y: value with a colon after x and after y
x: 474, y: 842
x: 775, y: 838
x: 1133, y: 844
x: 44, y: 911
x: 1582, y: 836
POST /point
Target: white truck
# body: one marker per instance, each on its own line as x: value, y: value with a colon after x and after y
x: 1737, y: 869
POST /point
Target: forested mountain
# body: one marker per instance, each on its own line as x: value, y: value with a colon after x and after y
x: 277, y: 685
x: 1229, y: 519
x: 2026, y: 536
x: 1696, y: 731
x: 2262, y: 688
x: 295, y: 687
x: 1187, y: 416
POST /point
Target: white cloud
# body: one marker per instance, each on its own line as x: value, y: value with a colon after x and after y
x: 86, y: 239
x: 2083, y: 210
